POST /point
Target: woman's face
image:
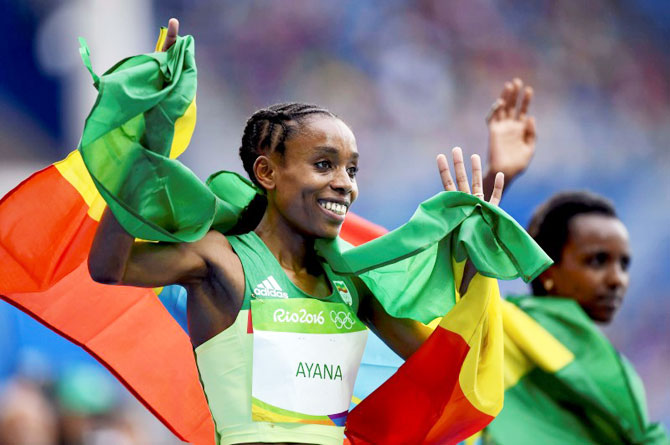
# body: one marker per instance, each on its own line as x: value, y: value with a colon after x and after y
x: 594, y: 267
x: 315, y: 178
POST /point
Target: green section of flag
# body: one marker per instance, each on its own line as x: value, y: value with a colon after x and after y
x: 301, y: 315
x: 409, y: 269
x: 125, y: 147
x: 597, y: 398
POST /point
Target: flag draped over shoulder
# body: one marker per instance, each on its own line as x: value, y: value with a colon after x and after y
x: 142, y: 120
x: 565, y: 382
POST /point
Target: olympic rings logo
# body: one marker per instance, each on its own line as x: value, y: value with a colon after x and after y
x: 342, y: 319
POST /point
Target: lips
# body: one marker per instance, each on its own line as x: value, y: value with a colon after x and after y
x: 609, y: 302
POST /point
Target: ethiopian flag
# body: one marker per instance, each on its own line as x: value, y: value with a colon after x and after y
x: 565, y: 382
x: 143, y: 118
x: 47, y: 224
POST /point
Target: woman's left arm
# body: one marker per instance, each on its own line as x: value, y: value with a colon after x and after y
x: 403, y: 335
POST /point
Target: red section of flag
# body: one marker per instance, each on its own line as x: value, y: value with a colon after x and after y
x: 45, y: 236
x: 460, y: 418
x: 357, y: 230
x: 44, y: 232
x: 419, y: 401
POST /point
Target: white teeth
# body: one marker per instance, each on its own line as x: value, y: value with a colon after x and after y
x: 334, y: 207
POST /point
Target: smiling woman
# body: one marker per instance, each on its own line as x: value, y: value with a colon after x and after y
x: 278, y: 305
x: 305, y: 159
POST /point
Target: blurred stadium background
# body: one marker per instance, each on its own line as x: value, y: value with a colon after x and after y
x: 413, y: 79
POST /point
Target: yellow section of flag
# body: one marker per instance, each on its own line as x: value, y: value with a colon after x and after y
x: 528, y: 344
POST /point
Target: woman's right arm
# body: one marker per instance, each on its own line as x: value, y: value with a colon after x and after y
x: 116, y: 258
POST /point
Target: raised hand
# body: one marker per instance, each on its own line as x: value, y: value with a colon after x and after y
x: 172, y: 32
x: 462, y: 176
x: 511, y: 131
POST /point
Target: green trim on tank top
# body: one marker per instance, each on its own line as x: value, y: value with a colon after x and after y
x: 251, y: 240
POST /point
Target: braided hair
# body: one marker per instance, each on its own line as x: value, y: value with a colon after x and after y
x: 549, y: 225
x: 267, y: 131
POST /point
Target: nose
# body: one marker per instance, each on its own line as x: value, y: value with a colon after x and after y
x: 617, y: 277
x: 341, y: 181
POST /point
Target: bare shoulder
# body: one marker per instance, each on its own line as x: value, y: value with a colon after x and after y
x: 221, y: 259
x: 214, y: 245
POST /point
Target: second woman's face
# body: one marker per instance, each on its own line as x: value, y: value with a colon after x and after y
x: 594, y: 266
x: 315, y: 179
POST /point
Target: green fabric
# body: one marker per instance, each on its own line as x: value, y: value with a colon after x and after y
x: 597, y: 398
x: 409, y: 269
x: 125, y: 149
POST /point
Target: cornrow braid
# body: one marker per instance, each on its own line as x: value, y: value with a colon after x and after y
x: 268, y: 129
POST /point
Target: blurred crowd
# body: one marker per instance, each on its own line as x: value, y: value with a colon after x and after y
x: 82, y: 406
x: 413, y: 79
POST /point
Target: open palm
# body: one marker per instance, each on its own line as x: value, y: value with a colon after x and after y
x: 511, y: 131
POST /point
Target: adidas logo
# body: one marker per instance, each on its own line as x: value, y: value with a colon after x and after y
x: 269, y: 288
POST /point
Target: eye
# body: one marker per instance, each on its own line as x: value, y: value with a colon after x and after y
x: 597, y: 260
x: 625, y: 262
x: 323, y: 165
x: 352, y: 172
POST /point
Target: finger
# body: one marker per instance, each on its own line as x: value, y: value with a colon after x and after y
x: 498, y: 186
x: 517, y: 89
x: 445, y: 174
x: 507, y: 97
x: 173, y: 30
x: 494, y: 111
x: 525, y: 101
x: 459, y: 170
x: 477, y: 185
x: 529, y: 134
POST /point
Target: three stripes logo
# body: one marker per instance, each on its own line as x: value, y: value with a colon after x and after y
x: 270, y: 288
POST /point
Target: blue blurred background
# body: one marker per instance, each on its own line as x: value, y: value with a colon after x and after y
x: 413, y: 79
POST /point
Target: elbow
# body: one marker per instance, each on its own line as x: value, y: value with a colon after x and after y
x: 102, y: 275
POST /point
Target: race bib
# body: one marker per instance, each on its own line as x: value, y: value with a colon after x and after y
x: 305, y: 360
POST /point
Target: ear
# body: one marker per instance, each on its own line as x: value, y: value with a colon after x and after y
x: 264, y: 169
x: 547, y: 279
